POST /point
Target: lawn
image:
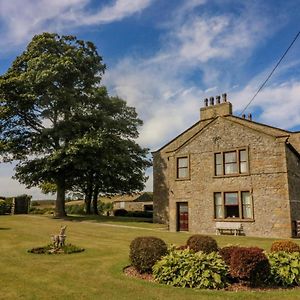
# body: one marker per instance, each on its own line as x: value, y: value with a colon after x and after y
x: 97, y: 272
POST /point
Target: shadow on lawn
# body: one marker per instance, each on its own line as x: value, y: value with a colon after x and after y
x: 103, y: 219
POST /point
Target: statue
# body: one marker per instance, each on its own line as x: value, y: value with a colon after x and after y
x: 58, y: 240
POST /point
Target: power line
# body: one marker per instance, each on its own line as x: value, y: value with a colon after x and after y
x: 278, y: 63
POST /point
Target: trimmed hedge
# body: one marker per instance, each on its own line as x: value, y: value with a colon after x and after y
x: 145, y: 252
x: 203, y: 243
x: 285, y: 245
x: 249, y: 265
x: 226, y: 253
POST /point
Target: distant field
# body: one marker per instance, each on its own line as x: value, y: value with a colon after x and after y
x: 97, y: 272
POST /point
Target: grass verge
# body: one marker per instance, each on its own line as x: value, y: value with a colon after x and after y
x: 95, y: 273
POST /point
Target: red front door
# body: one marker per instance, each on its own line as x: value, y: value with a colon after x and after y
x: 182, y: 216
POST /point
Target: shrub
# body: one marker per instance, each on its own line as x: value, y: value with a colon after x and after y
x: 41, y: 211
x: 285, y: 245
x: 285, y: 268
x: 181, y: 247
x: 2, y: 207
x: 145, y: 252
x: 140, y: 214
x: 75, y: 209
x: 203, y: 243
x: 226, y: 253
x: 66, y: 249
x: 249, y: 265
x: 185, y: 268
x: 120, y: 212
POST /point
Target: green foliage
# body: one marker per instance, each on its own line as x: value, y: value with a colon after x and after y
x: 285, y: 245
x: 184, y: 268
x: 140, y: 214
x: 203, y: 243
x: 2, y: 207
x: 66, y: 249
x: 48, y: 188
x: 77, y: 209
x: 145, y: 252
x: 41, y: 211
x: 62, y: 126
x: 285, y: 268
x: 249, y: 265
x: 104, y: 207
x: 120, y: 212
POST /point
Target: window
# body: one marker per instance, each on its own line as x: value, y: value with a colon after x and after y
x: 243, y: 161
x: 231, y: 162
x: 218, y: 164
x: 218, y: 206
x: 182, y: 170
x: 230, y: 205
x: 247, y: 206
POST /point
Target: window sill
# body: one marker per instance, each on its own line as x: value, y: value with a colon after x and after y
x: 231, y: 175
x: 182, y: 179
x: 234, y: 220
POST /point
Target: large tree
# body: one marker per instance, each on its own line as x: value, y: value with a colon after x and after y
x: 59, y: 124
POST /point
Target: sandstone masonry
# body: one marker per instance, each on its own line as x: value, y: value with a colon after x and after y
x: 228, y: 169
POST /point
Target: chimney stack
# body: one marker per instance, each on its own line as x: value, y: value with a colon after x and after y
x: 250, y: 117
x: 243, y: 116
x: 224, y: 97
x: 214, y: 109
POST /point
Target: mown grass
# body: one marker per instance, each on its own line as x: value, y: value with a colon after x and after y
x: 95, y: 273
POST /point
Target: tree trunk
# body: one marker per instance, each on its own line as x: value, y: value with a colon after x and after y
x: 87, y: 202
x: 60, y: 198
x: 95, y: 200
x: 88, y: 198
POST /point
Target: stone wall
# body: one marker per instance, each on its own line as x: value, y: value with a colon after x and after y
x: 267, y: 180
x: 293, y: 164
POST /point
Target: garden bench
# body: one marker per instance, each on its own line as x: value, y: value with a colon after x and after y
x: 232, y: 227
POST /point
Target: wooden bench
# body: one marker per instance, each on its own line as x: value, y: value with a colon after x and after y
x: 232, y: 227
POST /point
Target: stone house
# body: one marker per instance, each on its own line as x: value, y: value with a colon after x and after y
x: 229, y: 170
x: 140, y: 202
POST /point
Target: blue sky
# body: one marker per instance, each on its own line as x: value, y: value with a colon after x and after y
x: 165, y: 56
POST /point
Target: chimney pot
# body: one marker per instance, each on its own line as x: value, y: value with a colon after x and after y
x: 243, y: 116
x: 250, y: 117
x: 211, y: 100
x: 224, y: 96
x: 205, y: 102
x: 218, y: 99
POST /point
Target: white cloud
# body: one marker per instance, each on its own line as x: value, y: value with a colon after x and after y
x: 157, y: 85
x: 114, y: 12
x: 21, y: 19
x: 10, y: 187
x: 279, y: 104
